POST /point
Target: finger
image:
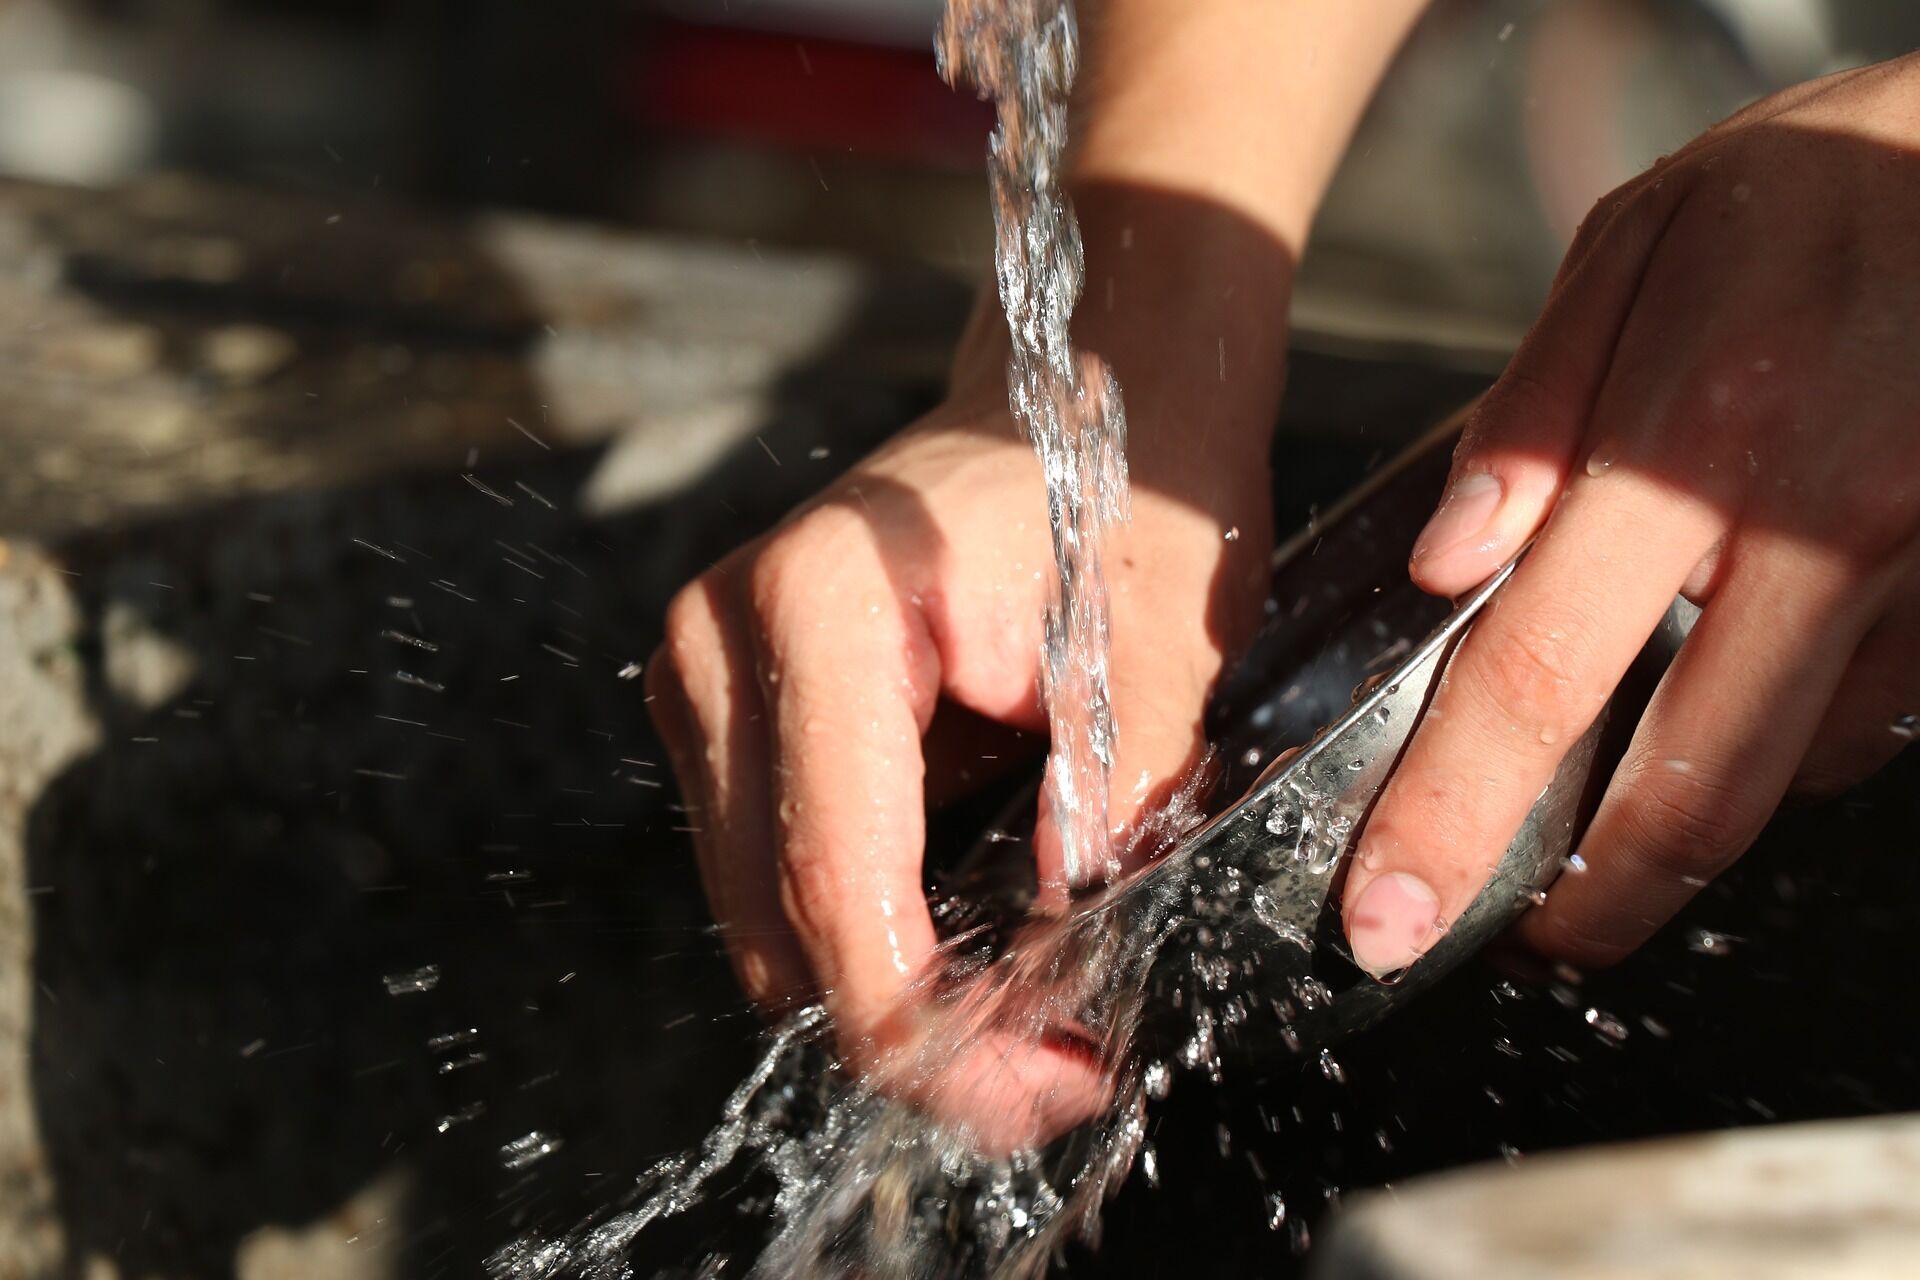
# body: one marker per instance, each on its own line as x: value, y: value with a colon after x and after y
x: 1167, y: 651
x: 1519, y: 441
x: 850, y: 678
x: 1159, y: 741
x: 1872, y: 717
x: 707, y: 705
x: 1527, y: 681
x: 1715, y: 750
x: 1010, y: 1082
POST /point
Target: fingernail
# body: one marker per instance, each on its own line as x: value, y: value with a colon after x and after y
x: 1391, y: 923
x: 1463, y: 516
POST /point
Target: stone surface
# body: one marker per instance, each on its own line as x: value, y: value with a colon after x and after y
x: 43, y: 728
x: 250, y: 440
x: 1833, y: 1201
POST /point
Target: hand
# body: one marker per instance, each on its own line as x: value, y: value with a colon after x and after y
x: 819, y: 685
x: 1719, y: 400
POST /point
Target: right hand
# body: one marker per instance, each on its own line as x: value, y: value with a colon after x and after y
x: 820, y: 683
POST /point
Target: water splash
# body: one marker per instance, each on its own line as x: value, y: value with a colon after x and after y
x: 879, y: 1174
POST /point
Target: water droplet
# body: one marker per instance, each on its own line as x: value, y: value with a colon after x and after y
x: 1276, y: 1211
x: 413, y: 981
x: 1574, y: 863
x: 1233, y: 534
x: 528, y: 1148
x: 401, y: 637
x: 630, y: 671
x: 1708, y: 943
x: 1223, y: 1140
x: 1268, y: 913
x: 1330, y: 1067
x: 1156, y: 1078
x: 1907, y: 727
x: 1601, y: 460
x: 1150, y: 1165
x: 1606, y: 1024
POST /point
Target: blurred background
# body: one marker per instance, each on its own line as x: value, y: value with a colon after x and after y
x: 371, y: 371
x: 821, y: 123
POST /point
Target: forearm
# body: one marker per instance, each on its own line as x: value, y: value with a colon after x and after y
x: 1205, y: 133
x: 1247, y: 104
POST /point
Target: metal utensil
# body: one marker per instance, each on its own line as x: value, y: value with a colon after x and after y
x: 1309, y: 728
x: 1268, y: 867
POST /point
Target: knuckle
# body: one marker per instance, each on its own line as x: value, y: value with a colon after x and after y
x: 1604, y: 212
x: 1689, y: 823
x: 1523, y: 404
x: 810, y: 889
x: 773, y: 576
x: 697, y: 638
x: 662, y: 684
x: 1624, y: 213
x: 1873, y: 516
x: 1531, y: 678
x: 1581, y: 939
x: 689, y: 616
x: 1828, y: 778
x: 798, y: 566
x: 1832, y: 769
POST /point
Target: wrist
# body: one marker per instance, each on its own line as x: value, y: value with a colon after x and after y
x: 1187, y: 301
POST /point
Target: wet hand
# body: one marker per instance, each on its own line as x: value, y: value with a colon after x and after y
x: 818, y: 687
x: 1719, y: 400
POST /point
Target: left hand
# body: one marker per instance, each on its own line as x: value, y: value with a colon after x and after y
x: 1721, y: 399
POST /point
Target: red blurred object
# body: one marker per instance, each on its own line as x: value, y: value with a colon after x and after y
x: 809, y: 93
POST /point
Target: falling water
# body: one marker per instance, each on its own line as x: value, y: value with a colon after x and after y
x: 1022, y: 53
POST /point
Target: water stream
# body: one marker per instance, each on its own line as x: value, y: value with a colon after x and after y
x: 1023, y: 54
